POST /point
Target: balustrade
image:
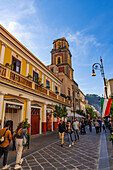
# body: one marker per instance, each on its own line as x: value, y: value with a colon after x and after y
x: 2, y: 71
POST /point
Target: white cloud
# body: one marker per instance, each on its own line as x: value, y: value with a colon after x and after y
x: 82, y: 43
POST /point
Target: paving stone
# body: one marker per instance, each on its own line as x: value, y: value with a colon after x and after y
x: 70, y: 167
x: 37, y: 168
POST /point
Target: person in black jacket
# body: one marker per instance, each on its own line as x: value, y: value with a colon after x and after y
x: 61, y: 131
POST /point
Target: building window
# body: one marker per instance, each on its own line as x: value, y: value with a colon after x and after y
x: 52, y: 69
x: 56, y: 88
x: 59, y: 60
x: 16, y: 64
x: 35, y: 76
x: 47, y: 83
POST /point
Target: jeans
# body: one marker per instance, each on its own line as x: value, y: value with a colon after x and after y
x: 76, y: 133
x: 4, y: 151
x: 70, y: 138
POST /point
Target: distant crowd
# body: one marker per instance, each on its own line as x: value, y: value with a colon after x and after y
x: 74, y: 128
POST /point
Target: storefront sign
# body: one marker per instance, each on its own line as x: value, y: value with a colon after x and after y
x: 13, y: 106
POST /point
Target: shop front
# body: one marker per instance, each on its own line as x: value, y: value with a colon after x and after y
x: 13, y: 112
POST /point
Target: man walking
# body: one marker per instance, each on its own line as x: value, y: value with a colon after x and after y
x: 61, y: 131
x: 76, y: 129
x: 4, y: 147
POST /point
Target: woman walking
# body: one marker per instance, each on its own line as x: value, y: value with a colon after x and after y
x: 20, y: 133
x: 69, y: 132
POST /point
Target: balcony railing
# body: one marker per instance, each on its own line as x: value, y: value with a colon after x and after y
x: 21, y: 80
x: 61, y: 98
x: 40, y: 89
x: 2, y: 71
x: 52, y: 94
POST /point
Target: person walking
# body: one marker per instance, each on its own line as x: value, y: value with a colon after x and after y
x: 20, y: 133
x: 97, y: 126
x: 104, y: 127
x: 69, y: 133
x: 61, y: 132
x: 83, y: 130
x: 76, y: 129
x: 4, y: 147
x: 90, y: 125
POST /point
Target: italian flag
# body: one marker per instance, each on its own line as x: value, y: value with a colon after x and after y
x: 105, y: 106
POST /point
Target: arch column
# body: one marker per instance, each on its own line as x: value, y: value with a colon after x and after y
x: 28, y: 111
x: 44, y: 119
x: 1, y: 104
x: 55, y: 123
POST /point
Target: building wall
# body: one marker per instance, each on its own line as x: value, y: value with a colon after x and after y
x: 17, y: 89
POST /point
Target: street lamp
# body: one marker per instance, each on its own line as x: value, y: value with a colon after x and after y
x: 99, y: 66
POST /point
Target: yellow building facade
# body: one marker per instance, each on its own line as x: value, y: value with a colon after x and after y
x: 28, y: 89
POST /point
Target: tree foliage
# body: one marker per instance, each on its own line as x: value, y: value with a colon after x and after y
x: 60, y: 111
x: 80, y: 112
x: 89, y: 110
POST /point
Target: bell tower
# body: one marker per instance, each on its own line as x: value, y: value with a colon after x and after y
x: 61, y: 57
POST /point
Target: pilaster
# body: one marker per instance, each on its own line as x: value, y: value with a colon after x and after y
x: 2, y: 53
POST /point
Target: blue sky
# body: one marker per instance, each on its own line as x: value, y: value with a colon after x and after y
x: 86, y: 24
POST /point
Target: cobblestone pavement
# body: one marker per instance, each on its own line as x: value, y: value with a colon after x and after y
x: 84, y: 155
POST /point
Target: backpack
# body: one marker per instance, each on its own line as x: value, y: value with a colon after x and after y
x: 2, y: 139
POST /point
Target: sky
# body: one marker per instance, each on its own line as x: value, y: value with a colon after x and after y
x: 87, y: 25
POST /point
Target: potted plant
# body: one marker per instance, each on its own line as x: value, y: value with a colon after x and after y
x: 111, y: 138
x: 48, y: 87
x: 38, y: 81
x: 69, y: 98
x: 63, y: 95
x: 57, y: 92
x: 29, y: 76
x: 8, y: 65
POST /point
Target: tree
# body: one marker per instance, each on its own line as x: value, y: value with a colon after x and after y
x: 80, y: 112
x: 60, y: 111
x: 89, y: 110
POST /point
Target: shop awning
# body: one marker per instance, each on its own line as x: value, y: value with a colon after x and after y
x: 80, y: 116
x: 76, y: 115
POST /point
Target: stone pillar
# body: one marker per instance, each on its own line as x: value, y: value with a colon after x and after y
x: 27, y: 72
x: 2, y: 53
x: 28, y: 111
x: 44, y: 119
x: 1, y: 104
x: 55, y: 123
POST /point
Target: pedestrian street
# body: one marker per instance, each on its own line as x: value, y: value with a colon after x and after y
x: 84, y: 155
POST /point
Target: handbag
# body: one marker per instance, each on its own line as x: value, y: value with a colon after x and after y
x: 2, y: 139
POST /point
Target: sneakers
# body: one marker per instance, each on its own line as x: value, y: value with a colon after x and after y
x: 17, y: 166
x: 72, y: 143
x: 61, y: 145
x: 21, y: 161
x: 6, y: 167
x: 69, y: 146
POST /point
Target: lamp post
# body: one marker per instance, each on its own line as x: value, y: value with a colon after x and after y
x: 99, y: 66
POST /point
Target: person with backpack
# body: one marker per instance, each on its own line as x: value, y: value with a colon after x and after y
x: 5, y: 139
x: 19, y: 136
